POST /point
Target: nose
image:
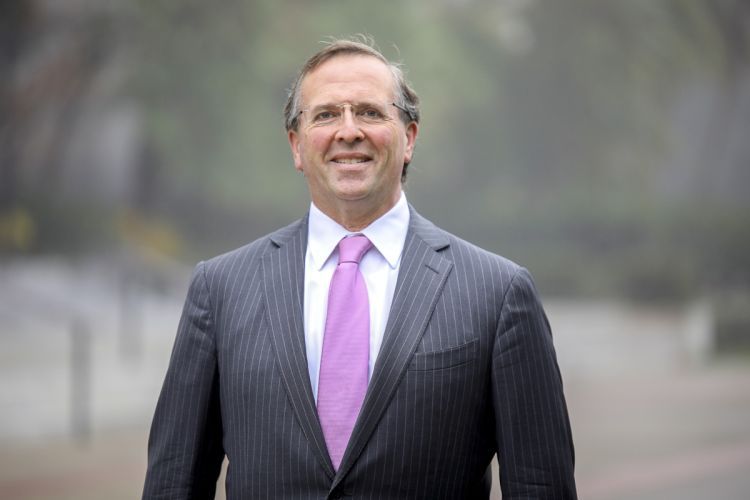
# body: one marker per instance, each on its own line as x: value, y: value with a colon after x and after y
x: 349, y: 129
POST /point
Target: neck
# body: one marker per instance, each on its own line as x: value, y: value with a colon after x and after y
x: 356, y: 215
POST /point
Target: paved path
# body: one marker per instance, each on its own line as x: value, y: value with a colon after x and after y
x: 683, y: 436
x: 652, y: 417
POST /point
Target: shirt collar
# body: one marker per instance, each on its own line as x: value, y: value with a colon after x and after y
x: 387, y: 234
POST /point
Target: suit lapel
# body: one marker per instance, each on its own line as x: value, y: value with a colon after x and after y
x: 283, y: 282
x: 421, y: 279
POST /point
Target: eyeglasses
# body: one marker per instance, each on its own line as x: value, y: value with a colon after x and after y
x: 365, y: 113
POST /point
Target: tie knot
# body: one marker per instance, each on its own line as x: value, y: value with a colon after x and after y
x: 352, y: 249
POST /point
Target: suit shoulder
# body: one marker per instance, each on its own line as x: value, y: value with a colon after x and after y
x: 252, y: 252
x: 479, y: 252
x: 477, y: 265
x: 467, y: 253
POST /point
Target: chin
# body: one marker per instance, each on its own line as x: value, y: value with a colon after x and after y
x: 352, y: 191
x: 349, y: 195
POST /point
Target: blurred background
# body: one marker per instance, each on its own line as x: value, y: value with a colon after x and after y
x: 603, y: 145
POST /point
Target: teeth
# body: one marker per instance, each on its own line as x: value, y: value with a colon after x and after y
x: 350, y: 160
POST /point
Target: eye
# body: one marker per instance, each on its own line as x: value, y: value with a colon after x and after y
x: 325, y: 116
x: 372, y: 114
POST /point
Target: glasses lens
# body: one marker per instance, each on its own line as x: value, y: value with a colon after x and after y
x: 362, y: 113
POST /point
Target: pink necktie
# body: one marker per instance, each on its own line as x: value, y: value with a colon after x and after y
x: 346, y: 348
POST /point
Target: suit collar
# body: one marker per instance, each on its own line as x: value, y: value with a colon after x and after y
x: 294, y: 231
x: 429, y: 233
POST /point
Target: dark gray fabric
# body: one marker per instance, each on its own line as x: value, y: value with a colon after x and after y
x: 467, y: 369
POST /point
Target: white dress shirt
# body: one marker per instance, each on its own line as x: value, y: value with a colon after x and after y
x: 379, y: 268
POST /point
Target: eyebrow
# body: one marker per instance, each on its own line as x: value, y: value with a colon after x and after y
x: 356, y: 104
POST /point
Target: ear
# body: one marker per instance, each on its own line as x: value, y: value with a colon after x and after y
x: 294, y: 144
x: 411, y: 139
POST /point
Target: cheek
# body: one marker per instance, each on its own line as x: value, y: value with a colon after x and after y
x: 385, y: 141
x: 318, y: 144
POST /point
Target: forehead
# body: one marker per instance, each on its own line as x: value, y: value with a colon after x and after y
x: 348, y: 77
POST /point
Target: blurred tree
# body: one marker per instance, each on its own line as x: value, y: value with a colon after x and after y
x: 16, y: 20
x: 570, y: 135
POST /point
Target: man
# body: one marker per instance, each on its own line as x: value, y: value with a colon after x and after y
x: 361, y: 351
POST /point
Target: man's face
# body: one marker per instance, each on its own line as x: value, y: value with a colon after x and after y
x: 351, y: 162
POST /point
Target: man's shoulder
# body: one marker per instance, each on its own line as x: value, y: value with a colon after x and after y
x: 252, y: 252
x: 459, y: 250
x: 474, y: 266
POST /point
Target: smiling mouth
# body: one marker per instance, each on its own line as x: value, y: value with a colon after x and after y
x: 349, y: 161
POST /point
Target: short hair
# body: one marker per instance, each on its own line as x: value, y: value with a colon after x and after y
x: 404, y: 96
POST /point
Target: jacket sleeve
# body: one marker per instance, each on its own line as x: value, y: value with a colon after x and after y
x: 534, y: 441
x: 184, y: 448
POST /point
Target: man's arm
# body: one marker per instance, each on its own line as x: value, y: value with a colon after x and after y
x: 184, y: 448
x: 535, y: 445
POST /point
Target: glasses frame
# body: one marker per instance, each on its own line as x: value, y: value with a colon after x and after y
x: 394, y: 104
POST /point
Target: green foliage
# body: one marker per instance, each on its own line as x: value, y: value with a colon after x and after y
x: 547, y: 126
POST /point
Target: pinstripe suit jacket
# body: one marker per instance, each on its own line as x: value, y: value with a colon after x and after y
x: 466, y: 370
